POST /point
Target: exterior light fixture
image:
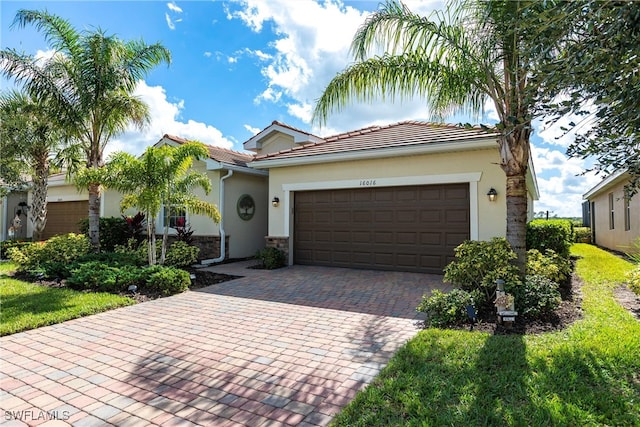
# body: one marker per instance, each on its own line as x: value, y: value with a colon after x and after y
x: 492, y: 194
x: 275, y: 202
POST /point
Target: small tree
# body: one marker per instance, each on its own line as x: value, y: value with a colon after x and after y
x: 160, y: 177
x: 29, y: 135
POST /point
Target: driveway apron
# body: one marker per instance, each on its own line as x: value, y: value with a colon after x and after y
x: 283, y: 347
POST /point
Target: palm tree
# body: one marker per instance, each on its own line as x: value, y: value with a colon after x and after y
x: 88, y: 83
x: 161, y: 177
x: 30, y: 136
x: 472, y: 52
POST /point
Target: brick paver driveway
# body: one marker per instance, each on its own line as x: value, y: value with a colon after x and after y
x: 283, y: 347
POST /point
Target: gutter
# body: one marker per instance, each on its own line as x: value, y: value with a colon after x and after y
x: 221, y: 225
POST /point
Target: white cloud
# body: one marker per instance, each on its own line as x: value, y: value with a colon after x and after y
x: 309, y: 52
x: 561, y: 182
x: 164, y: 120
x: 174, y: 8
x: 253, y: 130
x: 208, y: 54
x: 170, y: 23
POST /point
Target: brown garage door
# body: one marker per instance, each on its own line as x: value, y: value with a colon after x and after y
x: 411, y: 228
x: 63, y: 217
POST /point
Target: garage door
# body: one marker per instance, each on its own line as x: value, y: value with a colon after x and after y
x: 414, y: 228
x: 63, y: 217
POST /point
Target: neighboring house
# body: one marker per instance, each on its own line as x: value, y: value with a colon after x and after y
x: 239, y: 191
x: 397, y: 197
x: 614, y: 218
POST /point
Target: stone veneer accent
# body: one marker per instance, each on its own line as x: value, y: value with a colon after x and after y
x: 278, y: 242
x: 209, y: 246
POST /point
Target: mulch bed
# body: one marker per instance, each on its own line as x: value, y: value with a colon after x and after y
x: 569, y: 311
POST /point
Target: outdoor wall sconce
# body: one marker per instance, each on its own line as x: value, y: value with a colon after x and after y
x: 492, y: 194
x: 275, y: 202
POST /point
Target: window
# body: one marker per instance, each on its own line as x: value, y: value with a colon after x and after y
x: 176, y: 216
x: 627, y: 214
x: 612, y: 224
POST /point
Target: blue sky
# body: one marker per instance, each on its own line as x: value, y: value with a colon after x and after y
x: 239, y: 65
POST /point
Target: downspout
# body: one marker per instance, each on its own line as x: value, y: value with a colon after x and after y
x: 220, y: 225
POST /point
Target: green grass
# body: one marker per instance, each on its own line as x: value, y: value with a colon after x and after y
x: 26, y: 305
x: 587, y: 374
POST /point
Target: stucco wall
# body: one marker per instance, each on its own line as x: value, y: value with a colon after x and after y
x: 275, y: 143
x: 245, y: 237
x: 617, y: 238
x: 429, y: 168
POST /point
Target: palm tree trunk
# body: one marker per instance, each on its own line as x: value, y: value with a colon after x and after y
x: 94, y: 216
x: 517, y: 218
x: 39, y: 201
x: 151, y: 240
x: 514, y: 151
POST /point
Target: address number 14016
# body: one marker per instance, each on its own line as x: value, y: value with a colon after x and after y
x: 367, y: 182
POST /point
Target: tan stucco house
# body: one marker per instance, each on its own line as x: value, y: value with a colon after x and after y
x: 614, y: 218
x: 396, y: 197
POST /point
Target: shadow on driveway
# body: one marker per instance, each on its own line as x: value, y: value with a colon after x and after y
x: 382, y: 293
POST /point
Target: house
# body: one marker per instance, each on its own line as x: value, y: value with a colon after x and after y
x: 240, y: 192
x: 614, y: 218
x: 397, y: 197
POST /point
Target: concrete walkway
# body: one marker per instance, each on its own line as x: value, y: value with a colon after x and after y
x: 284, y: 347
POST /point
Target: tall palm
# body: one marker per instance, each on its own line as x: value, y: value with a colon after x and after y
x: 89, y: 83
x: 458, y: 59
x: 30, y: 135
x: 161, y: 177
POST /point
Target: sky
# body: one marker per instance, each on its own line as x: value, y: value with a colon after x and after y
x: 238, y: 65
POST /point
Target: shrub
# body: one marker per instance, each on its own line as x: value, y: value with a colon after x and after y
x: 168, y: 280
x: 634, y: 280
x: 135, y: 227
x: 136, y: 251
x: 8, y: 244
x: 113, y: 232
x: 634, y: 251
x: 116, y: 259
x: 445, y: 309
x: 105, y: 277
x: 94, y: 275
x: 550, y: 265
x: 536, y: 297
x: 555, y: 234
x: 180, y: 254
x: 479, y: 264
x: 582, y: 234
x: 184, y: 233
x: 271, y: 258
x: 52, y: 257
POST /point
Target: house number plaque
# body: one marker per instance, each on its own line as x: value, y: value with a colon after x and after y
x: 367, y: 182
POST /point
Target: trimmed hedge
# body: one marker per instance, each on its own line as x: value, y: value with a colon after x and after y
x: 554, y: 234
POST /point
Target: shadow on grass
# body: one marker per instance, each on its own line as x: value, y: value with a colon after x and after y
x: 458, y: 378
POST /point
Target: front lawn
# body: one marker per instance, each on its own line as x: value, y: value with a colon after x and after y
x: 26, y: 305
x: 587, y: 374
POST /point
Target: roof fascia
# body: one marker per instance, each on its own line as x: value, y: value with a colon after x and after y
x: 226, y: 166
x: 374, y: 153
x: 604, y: 184
x: 298, y: 137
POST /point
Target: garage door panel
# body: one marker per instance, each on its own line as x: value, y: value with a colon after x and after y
x: 395, y: 228
x: 407, y: 216
x: 383, y: 216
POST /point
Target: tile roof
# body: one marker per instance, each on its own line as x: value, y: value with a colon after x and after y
x: 402, y: 134
x: 219, y: 154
